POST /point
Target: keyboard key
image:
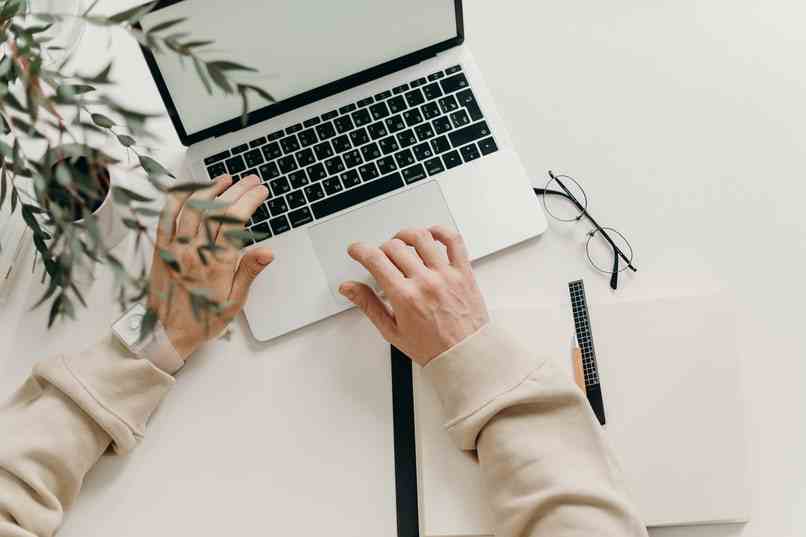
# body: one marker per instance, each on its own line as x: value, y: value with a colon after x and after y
x: 262, y: 227
x: 269, y: 171
x: 440, y: 145
x: 434, y: 166
x: 287, y: 164
x: 298, y: 179
x: 359, y: 137
x: 488, y: 146
x: 333, y: 114
x: 468, y: 100
x: 353, y: 158
x: 236, y: 165
x: 323, y: 150
x: 334, y: 166
x: 325, y: 131
x: 436, y: 76
x: 276, y: 135
x: 414, y: 174
x: 448, y: 104
x: 332, y: 185
x: 342, y: 143
x: 431, y: 110
x: 452, y: 159
x: 314, y: 192
x: 249, y: 173
x: 419, y: 82
x: 365, y: 102
x: 311, y: 122
x: 235, y: 178
x: 296, y: 199
x: 216, y: 158
x: 300, y: 217
x: 442, y: 125
x: 400, y: 89
x: 343, y: 124
x: 389, y: 145
x: 396, y: 104
x: 257, y: 142
x: 395, y: 123
x: 432, y: 91
x: 361, y: 118
x: 424, y: 131
x: 454, y: 69
x: 316, y: 172
x: 412, y: 117
x: 379, y: 111
x: 277, y: 206
x: 290, y: 144
x: 279, y: 225
x: 216, y: 170
x: 387, y: 165
x: 240, y: 148
x: 350, y: 179
x: 460, y: 118
x: 415, y: 98
x: 469, y: 134
x: 347, y: 109
x: 371, y: 152
x: 308, y: 137
x: 383, y: 95
x: 306, y: 158
x: 272, y: 151
x: 404, y: 158
x: 253, y: 157
x: 377, y: 130
x: 470, y: 152
x: 280, y: 186
x: 369, y: 172
x: 354, y: 196
x: 406, y: 138
x: 423, y: 151
x: 294, y: 128
x: 454, y: 83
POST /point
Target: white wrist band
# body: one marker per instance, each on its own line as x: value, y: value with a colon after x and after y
x: 156, y: 348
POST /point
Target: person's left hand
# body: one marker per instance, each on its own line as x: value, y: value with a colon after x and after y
x: 225, y: 279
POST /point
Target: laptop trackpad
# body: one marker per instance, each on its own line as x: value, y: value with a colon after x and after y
x: 423, y: 206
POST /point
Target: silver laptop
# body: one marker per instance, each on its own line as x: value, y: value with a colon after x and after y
x: 382, y: 121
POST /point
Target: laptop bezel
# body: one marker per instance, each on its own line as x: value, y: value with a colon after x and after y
x: 298, y: 101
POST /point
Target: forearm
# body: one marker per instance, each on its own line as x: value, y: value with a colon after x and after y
x: 55, y: 428
x: 547, y: 467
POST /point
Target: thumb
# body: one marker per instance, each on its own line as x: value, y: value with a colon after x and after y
x: 251, y: 265
x: 376, y: 311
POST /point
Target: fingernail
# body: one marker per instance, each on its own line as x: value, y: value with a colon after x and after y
x: 265, y: 259
x: 347, y: 290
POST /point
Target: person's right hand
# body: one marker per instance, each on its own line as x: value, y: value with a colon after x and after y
x: 435, y: 302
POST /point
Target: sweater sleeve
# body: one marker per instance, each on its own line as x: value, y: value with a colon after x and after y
x: 546, y: 465
x: 58, y: 424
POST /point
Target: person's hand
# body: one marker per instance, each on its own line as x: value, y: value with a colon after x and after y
x: 225, y: 278
x: 435, y: 302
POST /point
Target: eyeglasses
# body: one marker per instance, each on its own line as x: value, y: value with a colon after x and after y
x: 608, y: 251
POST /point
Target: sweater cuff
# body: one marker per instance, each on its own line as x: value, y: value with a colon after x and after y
x: 477, y: 371
x: 118, y: 392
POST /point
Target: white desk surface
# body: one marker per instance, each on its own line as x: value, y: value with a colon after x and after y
x: 685, y: 121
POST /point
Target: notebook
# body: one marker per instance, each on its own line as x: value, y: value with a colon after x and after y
x: 670, y: 378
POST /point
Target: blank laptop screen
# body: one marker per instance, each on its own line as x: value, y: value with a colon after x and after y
x: 295, y: 45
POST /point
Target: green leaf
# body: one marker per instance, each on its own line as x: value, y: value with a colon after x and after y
x: 170, y: 260
x: 33, y: 30
x: 188, y: 188
x: 196, y: 44
x: 166, y: 24
x: 147, y: 212
x: 11, y: 8
x: 207, y: 205
x: 220, y: 79
x: 244, y: 235
x: 102, y: 121
x: 13, y: 199
x: 225, y: 219
x: 132, y: 15
x: 260, y: 91
x: 3, y: 186
x: 124, y: 196
x: 101, y: 78
x: 48, y: 293
x: 73, y: 90
x: 200, y: 71
x: 132, y: 224
x: 126, y: 140
x: 152, y: 167
x: 147, y: 324
x: 225, y: 66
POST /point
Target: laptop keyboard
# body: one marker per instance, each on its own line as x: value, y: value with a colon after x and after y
x: 361, y: 151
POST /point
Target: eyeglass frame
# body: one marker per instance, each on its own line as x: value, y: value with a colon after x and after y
x: 583, y: 213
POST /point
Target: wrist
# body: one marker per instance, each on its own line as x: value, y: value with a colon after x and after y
x: 157, y: 347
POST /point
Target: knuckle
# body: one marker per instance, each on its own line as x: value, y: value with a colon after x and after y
x: 422, y: 235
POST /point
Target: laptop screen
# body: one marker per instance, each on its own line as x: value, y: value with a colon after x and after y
x: 295, y: 45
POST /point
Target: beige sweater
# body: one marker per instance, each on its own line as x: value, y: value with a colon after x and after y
x: 547, y: 467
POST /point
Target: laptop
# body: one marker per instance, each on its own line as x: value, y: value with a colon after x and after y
x: 382, y: 121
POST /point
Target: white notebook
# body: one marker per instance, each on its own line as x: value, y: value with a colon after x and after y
x: 675, y: 414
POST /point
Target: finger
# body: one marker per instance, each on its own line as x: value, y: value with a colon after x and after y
x: 376, y: 311
x: 189, y: 218
x: 375, y: 261
x: 427, y: 248
x: 170, y: 212
x: 243, y: 209
x: 457, y: 251
x: 404, y: 258
x: 233, y: 194
x: 252, y: 264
